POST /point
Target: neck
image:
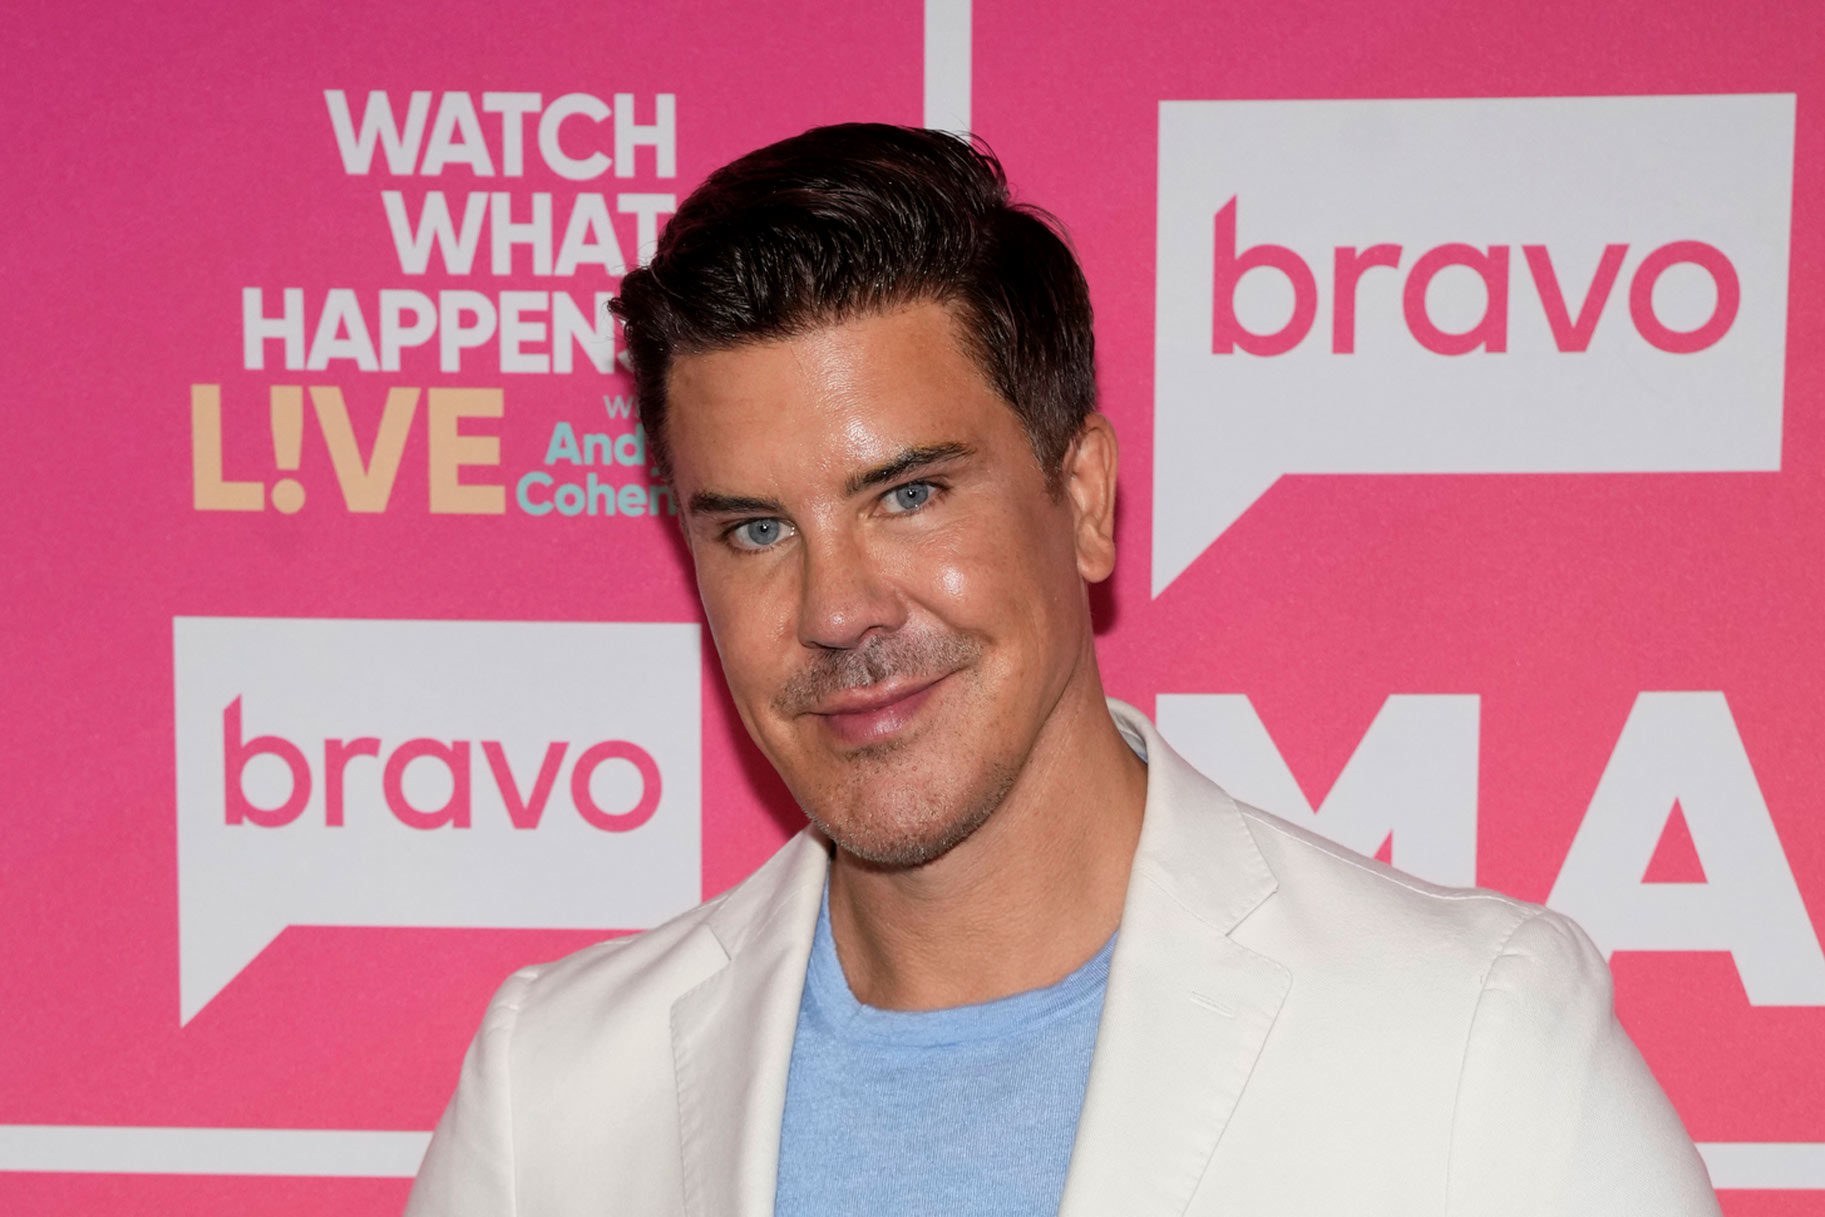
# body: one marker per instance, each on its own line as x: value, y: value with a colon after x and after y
x: 1028, y: 898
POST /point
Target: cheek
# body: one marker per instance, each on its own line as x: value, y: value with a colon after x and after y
x: 995, y: 576
x: 954, y: 574
x: 749, y: 629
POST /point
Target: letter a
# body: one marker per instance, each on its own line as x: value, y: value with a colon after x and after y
x: 1684, y: 748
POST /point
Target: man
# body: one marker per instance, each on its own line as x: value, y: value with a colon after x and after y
x: 1025, y: 960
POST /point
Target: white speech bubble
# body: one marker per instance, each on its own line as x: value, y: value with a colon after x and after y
x: 621, y: 861
x: 1572, y: 175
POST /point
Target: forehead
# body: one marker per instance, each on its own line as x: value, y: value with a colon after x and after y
x: 836, y: 398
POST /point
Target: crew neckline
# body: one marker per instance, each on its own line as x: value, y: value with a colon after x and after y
x: 829, y: 998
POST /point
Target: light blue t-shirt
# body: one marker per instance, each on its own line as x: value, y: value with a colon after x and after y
x: 966, y: 1112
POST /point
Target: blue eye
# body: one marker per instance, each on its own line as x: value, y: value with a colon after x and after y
x: 758, y: 534
x: 909, y: 497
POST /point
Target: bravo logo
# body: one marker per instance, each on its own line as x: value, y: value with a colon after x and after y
x: 429, y: 773
x: 1549, y: 285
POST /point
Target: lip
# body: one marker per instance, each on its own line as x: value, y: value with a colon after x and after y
x: 868, y: 715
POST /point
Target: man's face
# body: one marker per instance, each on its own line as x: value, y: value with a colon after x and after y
x: 897, y: 599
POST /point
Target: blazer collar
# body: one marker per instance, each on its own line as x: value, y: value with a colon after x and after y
x: 732, y: 1033
x: 1195, y: 846
x: 1187, y: 1009
x: 1186, y: 1012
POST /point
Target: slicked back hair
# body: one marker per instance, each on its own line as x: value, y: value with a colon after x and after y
x: 853, y: 220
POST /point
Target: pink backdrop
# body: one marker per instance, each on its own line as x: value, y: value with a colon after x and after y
x: 160, y: 165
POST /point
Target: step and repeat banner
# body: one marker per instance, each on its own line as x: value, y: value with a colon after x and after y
x: 1467, y: 366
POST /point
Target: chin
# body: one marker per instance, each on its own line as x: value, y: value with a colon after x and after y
x: 897, y: 822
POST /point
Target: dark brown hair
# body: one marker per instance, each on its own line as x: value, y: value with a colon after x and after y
x: 849, y: 220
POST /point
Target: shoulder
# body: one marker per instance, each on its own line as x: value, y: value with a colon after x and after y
x: 1297, y: 895
x: 1491, y: 1018
x: 615, y: 984
x: 1469, y: 955
x: 1337, y: 891
x: 560, y: 1044
x: 609, y: 977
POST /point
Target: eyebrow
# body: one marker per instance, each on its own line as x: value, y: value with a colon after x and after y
x: 910, y: 461
x: 712, y: 502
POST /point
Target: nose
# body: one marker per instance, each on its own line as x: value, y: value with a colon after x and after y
x: 844, y: 595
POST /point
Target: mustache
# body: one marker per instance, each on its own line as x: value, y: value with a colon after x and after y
x: 882, y: 657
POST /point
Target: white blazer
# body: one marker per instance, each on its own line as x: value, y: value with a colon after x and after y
x: 1289, y: 1029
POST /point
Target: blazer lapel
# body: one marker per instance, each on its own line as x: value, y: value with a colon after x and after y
x: 732, y: 1034
x: 1187, y: 1009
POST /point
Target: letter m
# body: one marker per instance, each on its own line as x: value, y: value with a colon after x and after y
x: 357, y: 147
x: 1412, y: 777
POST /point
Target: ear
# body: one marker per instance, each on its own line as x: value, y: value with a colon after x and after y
x: 1089, y: 473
